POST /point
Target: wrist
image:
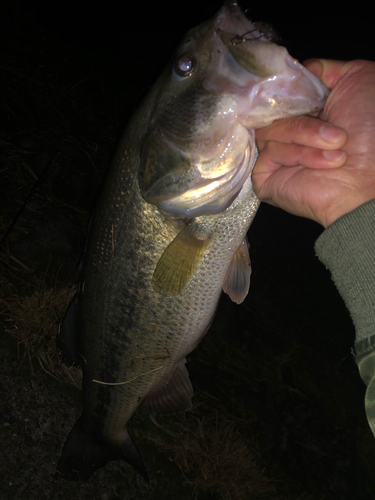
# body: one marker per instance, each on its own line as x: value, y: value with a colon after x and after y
x: 344, y: 206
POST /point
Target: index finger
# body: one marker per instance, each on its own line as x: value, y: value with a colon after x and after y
x: 304, y: 131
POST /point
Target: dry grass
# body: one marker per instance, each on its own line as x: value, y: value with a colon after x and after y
x: 211, y: 452
x: 34, y: 320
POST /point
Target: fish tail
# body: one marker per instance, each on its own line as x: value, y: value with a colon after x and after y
x: 82, y: 455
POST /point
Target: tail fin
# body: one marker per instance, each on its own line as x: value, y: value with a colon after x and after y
x: 83, y: 455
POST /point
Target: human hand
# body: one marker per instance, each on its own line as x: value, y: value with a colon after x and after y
x: 323, y: 167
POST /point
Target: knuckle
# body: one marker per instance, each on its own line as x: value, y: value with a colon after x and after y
x: 300, y: 125
x: 270, y: 147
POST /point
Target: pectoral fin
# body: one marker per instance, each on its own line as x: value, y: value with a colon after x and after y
x: 179, y: 262
x: 172, y: 397
x: 237, y: 280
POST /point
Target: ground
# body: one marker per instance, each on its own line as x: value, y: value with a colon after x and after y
x: 278, y: 412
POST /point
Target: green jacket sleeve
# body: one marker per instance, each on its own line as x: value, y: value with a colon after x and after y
x: 347, y: 249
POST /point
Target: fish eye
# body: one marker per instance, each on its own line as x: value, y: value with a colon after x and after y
x: 185, y: 65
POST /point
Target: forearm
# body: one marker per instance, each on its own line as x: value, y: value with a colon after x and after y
x: 347, y: 249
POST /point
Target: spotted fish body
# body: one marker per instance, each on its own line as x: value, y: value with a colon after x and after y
x: 169, y: 231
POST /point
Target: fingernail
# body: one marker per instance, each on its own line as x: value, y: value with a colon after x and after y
x: 333, y: 155
x: 330, y: 134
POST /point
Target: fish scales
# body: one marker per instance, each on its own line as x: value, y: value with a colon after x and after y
x: 169, y: 231
x: 136, y: 321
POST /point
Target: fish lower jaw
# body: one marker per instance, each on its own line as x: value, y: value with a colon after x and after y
x: 212, y: 197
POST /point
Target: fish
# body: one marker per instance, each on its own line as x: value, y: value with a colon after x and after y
x: 168, y: 233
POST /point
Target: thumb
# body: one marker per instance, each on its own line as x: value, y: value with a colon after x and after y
x: 328, y: 70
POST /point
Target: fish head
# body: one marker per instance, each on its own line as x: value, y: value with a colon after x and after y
x: 226, y: 79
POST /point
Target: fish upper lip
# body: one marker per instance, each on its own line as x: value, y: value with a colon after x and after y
x: 231, y: 18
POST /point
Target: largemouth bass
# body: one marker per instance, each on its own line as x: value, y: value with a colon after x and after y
x: 169, y: 231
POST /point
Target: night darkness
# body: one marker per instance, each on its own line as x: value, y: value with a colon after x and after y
x: 274, y: 375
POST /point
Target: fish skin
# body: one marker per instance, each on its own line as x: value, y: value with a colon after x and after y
x: 154, y: 271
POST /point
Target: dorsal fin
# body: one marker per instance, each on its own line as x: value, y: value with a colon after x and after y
x: 67, y: 336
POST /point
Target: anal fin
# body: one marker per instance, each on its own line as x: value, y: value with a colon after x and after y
x: 172, y: 397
